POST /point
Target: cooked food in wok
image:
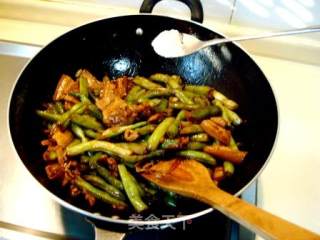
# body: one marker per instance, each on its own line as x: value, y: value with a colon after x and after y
x: 99, y: 134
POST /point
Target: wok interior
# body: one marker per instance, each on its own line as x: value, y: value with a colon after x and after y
x: 113, y: 47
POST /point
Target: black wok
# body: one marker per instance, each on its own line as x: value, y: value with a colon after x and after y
x: 121, y: 46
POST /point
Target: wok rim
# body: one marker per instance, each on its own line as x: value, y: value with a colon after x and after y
x: 107, y: 219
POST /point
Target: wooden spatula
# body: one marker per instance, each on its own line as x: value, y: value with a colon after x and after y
x: 190, y: 178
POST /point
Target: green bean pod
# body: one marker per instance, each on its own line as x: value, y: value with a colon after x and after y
x: 58, y: 106
x: 201, y: 90
x: 145, y: 83
x: 136, y: 148
x: 78, y: 132
x: 146, y: 129
x: 137, y: 158
x: 230, y: 104
x: 115, y: 131
x: 99, y: 194
x: 171, y: 144
x: 194, y: 128
x: 173, y: 130
x: 131, y: 189
x: 233, y: 145
x: 93, y: 109
x: 200, y: 137
x: 97, y: 145
x: 195, y: 145
x: 131, y: 97
x: 201, y: 156
x: 182, y: 97
x: 158, y: 133
x: 53, y: 117
x: 205, y: 112
x: 181, y: 105
x: 162, y: 106
x: 160, y: 77
x: 100, y: 183
x: 83, y: 86
x: 93, y: 160
x: 159, y: 92
x: 105, y: 173
x: 91, y: 133
x: 86, y: 121
x: 228, y: 168
x: 174, y: 82
x: 77, y: 108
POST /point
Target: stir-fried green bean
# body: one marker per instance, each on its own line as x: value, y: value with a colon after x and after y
x: 93, y: 109
x: 201, y: 156
x: 93, y: 160
x: 100, y: 183
x: 78, y: 132
x: 173, y: 130
x: 171, y: 199
x: 96, y: 145
x: 194, y: 128
x: 196, y: 145
x: 158, y: 92
x: 233, y: 145
x: 160, y: 77
x: 137, y: 158
x: 174, y: 82
x: 131, y: 189
x: 183, y: 97
x: 146, y: 129
x: 146, y: 83
x: 136, y: 148
x: 230, y: 104
x: 78, y: 108
x: 229, y: 115
x: 202, y: 90
x: 91, y: 133
x: 162, y: 106
x: 102, y: 134
x: 181, y: 105
x: 205, y: 112
x: 171, y: 144
x: 115, y: 131
x: 158, y: 133
x: 86, y: 121
x: 58, y: 106
x: 105, y: 173
x: 99, y: 194
x: 131, y: 97
x: 200, y: 137
x: 83, y: 86
x: 228, y: 168
x: 54, y: 117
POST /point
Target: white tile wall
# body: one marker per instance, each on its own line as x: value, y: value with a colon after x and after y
x: 273, y: 15
x: 247, y: 17
x: 277, y: 14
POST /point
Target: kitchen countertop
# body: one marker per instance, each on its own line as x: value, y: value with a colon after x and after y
x: 289, y: 185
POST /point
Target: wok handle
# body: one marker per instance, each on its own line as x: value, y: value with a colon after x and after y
x: 259, y: 221
x: 195, y: 7
x: 101, y: 233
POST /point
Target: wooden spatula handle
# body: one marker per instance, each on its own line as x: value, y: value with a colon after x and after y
x: 261, y: 222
